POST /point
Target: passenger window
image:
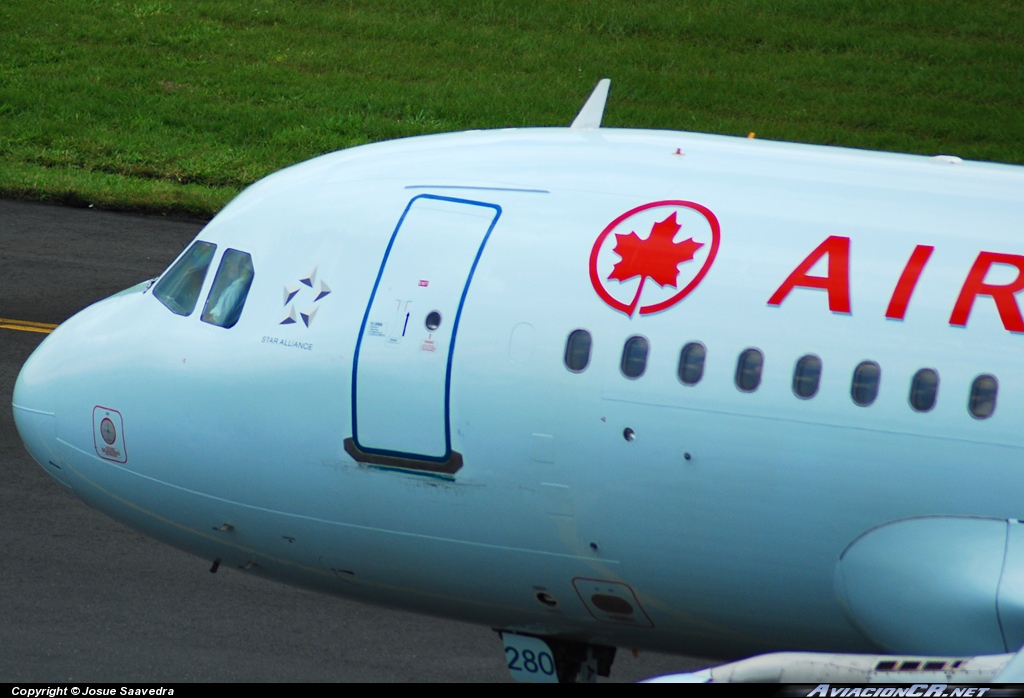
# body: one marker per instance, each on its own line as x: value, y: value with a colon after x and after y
x: 230, y: 288
x: 748, y: 370
x: 691, y: 363
x: 806, y: 376
x: 577, y: 350
x: 983, y: 397
x: 180, y: 287
x: 924, y: 389
x: 634, y: 357
x: 866, y: 378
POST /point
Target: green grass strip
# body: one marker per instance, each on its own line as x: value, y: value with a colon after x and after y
x: 75, y: 187
x: 175, y: 106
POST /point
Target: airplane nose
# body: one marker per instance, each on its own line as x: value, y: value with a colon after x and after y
x: 34, y: 405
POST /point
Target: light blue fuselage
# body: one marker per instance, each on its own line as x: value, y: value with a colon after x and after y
x: 720, y: 525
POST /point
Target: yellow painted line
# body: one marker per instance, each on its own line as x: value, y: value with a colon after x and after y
x: 26, y: 326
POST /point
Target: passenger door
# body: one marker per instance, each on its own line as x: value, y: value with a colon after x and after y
x: 403, y: 358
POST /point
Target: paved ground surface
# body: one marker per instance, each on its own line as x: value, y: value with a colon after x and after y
x: 84, y: 599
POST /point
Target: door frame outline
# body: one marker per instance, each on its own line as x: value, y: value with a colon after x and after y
x: 450, y: 461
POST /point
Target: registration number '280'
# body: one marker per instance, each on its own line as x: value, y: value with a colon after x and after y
x: 529, y: 659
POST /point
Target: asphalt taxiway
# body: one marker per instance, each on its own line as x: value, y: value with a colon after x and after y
x: 83, y: 598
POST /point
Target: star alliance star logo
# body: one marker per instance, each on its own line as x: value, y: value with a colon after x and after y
x: 320, y: 290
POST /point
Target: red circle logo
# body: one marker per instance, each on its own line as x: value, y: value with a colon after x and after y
x: 658, y: 254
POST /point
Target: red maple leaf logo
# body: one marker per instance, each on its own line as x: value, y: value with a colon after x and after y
x: 656, y: 258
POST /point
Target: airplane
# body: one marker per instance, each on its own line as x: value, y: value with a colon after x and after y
x: 590, y: 387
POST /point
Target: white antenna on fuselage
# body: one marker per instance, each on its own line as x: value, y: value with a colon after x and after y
x: 592, y: 112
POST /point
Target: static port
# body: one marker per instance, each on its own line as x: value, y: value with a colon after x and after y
x: 433, y: 320
x: 628, y: 434
x: 546, y: 599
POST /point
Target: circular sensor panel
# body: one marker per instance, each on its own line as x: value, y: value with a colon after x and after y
x: 107, y: 431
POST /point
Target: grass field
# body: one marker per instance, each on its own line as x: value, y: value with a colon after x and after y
x: 174, y: 106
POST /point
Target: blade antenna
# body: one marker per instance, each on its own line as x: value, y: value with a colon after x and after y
x: 592, y: 112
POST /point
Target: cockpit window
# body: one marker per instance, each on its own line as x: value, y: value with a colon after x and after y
x: 180, y: 287
x: 230, y: 288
